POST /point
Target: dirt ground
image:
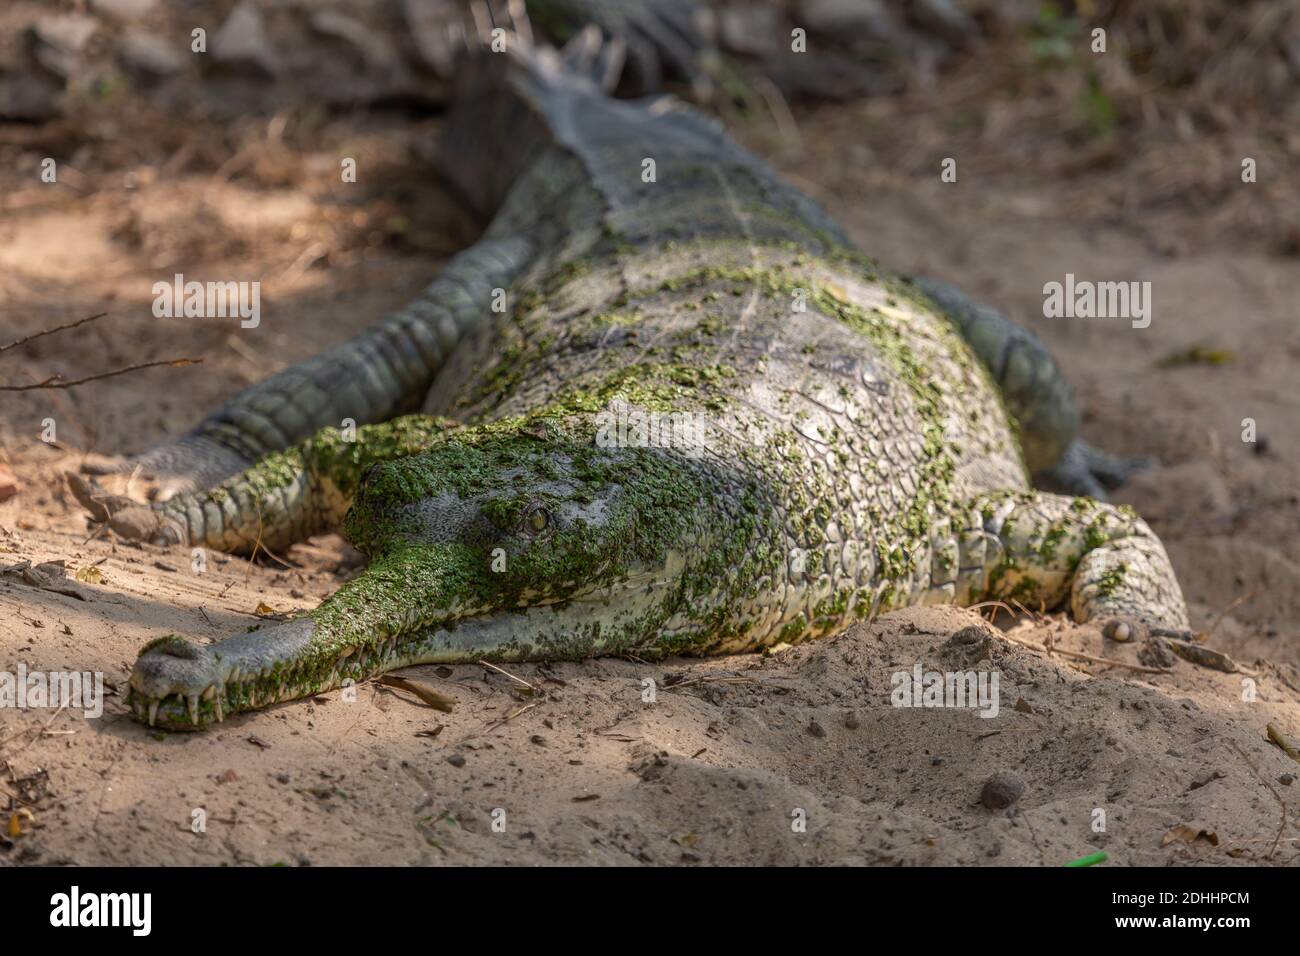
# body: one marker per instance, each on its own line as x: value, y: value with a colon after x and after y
x: 794, y: 758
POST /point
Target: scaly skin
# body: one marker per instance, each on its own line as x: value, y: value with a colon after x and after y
x: 840, y: 450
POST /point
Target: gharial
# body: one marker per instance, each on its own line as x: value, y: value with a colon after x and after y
x: 701, y: 424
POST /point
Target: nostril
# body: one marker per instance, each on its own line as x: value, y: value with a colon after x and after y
x: 173, y: 645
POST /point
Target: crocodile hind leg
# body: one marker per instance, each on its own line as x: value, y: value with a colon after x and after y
x: 1100, y: 560
x: 385, y: 371
x: 1037, y: 394
x: 284, y: 498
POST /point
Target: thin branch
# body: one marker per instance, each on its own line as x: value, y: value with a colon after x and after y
x: 1276, y: 796
x: 54, y: 380
x: 1090, y: 658
x: 58, y: 328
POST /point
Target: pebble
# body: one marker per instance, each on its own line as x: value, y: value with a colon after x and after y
x: 1002, y: 790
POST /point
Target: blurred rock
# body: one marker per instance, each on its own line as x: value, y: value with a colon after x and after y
x: 375, y: 52
x: 752, y: 30
x: 149, y: 56
x: 943, y: 19
x: 9, y: 485
x: 241, y: 42
x: 848, y: 20
x: 427, y: 20
x: 60, y: 41
x: 29, y: 99
x: 123, y: 9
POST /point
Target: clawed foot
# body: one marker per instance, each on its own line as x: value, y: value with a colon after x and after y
x: 127, y: 518
x: 659, y: 36
x: 1085, y: 470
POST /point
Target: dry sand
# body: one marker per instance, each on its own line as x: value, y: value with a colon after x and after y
x: 575, y: 767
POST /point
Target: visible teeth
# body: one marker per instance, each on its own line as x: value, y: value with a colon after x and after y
x: 347, y: 652
x: 233, y: 677
x: 153, y: 709
x: 209, y: 691
x: 220, y: 713
x: 192, y: 705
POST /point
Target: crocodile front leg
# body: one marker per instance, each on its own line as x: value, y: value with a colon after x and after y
x: 281, y: 500
x: 1101, y: 559
x: 385, y: 371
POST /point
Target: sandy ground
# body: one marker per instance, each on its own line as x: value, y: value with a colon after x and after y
x: 794, y: 758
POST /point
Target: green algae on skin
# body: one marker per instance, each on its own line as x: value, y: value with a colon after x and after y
x: 523, y: 517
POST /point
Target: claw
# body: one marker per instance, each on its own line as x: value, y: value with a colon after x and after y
x: 101, y: 505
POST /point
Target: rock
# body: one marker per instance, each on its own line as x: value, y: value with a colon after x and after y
x: 375, y: 52
x: 1156, y: 652
x: 847, y: 19
x: 1002, y: 790
x: 816, y: 729
x: 752, y: 29
x: 851, y: 721
x: 148, y: 55
x: 972, y: 643
x: 940, y: 17
x: 9, y: 485
x: 456, y: 760
x: 28, y: 98
x: 241, y: 42
x: 1121, y: 632
x: 427, y: 20
x: 123, y: 9
x: 60, y: 40
x: 1022, y: 706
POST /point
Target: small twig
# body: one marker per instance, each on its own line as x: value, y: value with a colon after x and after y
x: 1276, y: 796
x: 997, y: 604
x: 729, y: 679
x: 58, y: 328
x: 501, y: 670
x: 511, y: 716
x: 54, y: 381
x: 1080, y: 656
x: 43, y: 728
x: 1250, y: 596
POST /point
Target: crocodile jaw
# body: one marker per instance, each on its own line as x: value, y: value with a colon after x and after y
x: 179, y: 685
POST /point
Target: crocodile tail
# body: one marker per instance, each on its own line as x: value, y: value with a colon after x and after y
x: 512, y: 97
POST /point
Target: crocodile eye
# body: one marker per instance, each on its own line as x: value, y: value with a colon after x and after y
x: 538, y: 520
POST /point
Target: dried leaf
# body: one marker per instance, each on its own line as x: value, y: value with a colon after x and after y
x: 1204, y: 656
x: 90, y: 575
x: 427, y: 694
x: 1189, y: 835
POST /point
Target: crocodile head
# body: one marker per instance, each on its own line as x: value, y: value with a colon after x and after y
x: 520, y: 540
